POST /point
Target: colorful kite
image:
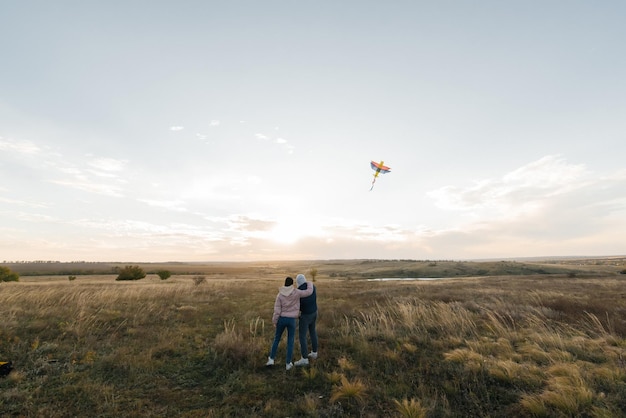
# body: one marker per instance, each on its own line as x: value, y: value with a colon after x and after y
x: 380, y: 168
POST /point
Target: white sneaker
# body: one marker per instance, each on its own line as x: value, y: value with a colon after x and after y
x: 302, y: 362
x: 289, y: 366
x: 313, y: 354
x: 270, y: 361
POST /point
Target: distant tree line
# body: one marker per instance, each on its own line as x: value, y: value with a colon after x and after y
x: 126, y: 273
x: 48, y: 262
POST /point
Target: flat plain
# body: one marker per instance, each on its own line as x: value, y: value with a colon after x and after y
x: 495, y: 338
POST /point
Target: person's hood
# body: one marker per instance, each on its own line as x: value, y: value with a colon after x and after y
x: 286, y: 290
x: 300, y: 279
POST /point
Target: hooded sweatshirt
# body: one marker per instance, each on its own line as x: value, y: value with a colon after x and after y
x: 308, y: 305
x: 287, y: 302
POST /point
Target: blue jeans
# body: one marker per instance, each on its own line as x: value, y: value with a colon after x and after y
x: 290, y: 324
x: 307, y: 323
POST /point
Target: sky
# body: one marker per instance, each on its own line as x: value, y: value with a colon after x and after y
x: 151, y: 130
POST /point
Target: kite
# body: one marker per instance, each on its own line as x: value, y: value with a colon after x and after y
x: 380, y: 168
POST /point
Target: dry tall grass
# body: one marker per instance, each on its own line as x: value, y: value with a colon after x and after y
x: 470, y: 347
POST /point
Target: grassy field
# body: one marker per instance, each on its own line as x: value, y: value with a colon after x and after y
x: 493, y: 339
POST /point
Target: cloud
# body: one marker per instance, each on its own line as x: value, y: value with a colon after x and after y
x: 84, y: 184
x: 521, y: 191
x: 214, y: 123
x: 90, y: 178
x: 278, y: 140
x: 550, y: 172
x: 281, y: 141
x: 20, y: 146
x: 53, y: 167
x: 142, y: 230
x: 176, y: 128
x: 249, y: 224
x: 365, y: 232
x: 34, y: 217
x: 23, y: 203
x: 547, y: 207
x: 107, y: 167
x: 108, y: 164
x: 173, y: 205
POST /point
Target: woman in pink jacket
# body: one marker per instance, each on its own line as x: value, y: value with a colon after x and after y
x: 286, y: 310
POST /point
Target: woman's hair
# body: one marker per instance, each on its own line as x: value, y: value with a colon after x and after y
x: 288, y: 281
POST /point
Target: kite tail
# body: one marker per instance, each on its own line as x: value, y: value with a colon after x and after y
x: 373, y: 181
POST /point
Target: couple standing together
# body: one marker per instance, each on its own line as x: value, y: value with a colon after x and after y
x: 291, y: 302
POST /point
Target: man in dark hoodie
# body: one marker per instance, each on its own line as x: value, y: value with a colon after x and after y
x: 308, y: 318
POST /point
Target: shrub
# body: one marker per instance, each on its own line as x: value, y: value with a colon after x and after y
x: 410, y: 408
x: 164, y: 274
x: 71, y: 278
x: 131, y: 273
x: 6, y: 275
x: 354, y: 389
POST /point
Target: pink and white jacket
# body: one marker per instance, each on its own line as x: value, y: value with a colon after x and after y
x: 287, y: 302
